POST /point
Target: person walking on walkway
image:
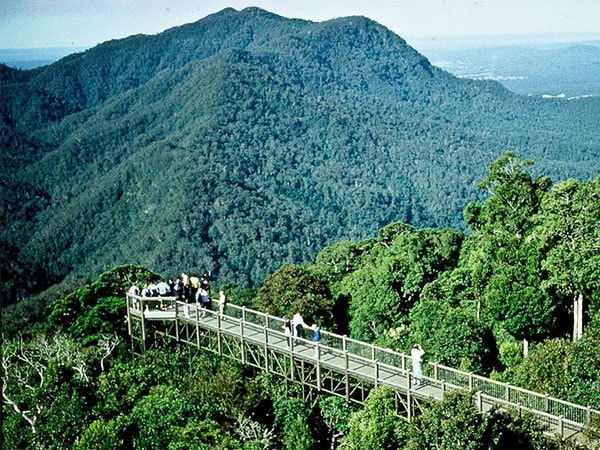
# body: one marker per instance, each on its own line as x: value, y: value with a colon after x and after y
x: 417, y: 357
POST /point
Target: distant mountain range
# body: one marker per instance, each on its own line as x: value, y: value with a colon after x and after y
x: 246, y: 140
x: 569, y: 70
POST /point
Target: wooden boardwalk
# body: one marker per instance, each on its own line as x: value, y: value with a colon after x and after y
x: 337, y: 365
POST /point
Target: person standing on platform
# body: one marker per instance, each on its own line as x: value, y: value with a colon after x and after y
x: 316, y: 338
x: 298, y: 324
x: 222, y: 302
x: 287, y: 330
x: 417, y: 357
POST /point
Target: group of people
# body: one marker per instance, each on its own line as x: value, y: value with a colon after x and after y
x: 187, y: 288
x: 294, y: 329
x: 197, y: 289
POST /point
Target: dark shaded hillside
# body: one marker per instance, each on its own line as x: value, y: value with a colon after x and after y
x: 246, y: 140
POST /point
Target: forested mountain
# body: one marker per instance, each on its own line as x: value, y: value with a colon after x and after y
x: 530, y: 261
x: 246, y: 140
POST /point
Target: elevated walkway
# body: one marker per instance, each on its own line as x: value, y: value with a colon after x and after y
x: 337, y: 365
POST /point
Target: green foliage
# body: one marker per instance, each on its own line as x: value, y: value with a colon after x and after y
x: 456, y: 423
x: 157, y: 415
x: 291, y: 417
x: 336, y: 415
x: 545, y: 369
x: 256, y: 143
x: 584, y: 369
x: 390, y: 276
x: 452, y: 335
x: 450, y: 424
x: 101, y: 435
x: 97, y: 308
x: 374, y: 426
x: 293, y: 289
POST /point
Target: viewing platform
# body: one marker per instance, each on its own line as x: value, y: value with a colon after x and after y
x: 337, y: 365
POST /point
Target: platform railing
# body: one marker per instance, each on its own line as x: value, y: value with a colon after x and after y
x: 548, y: 408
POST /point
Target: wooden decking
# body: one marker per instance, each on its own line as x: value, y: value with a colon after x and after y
x: 338, y: 365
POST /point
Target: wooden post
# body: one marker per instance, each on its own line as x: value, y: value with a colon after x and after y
x: 242, y: 346
x: 266, y: 333
x: 219, y: 336
x: 197, y: 328
x: 318, y: 366
x: 176, y: 321
x: 561, y: 426
x: 408, y: 396
x: 346, y: 376
x: 128, y: 314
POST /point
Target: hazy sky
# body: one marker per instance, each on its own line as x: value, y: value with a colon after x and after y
x: 84, y: 23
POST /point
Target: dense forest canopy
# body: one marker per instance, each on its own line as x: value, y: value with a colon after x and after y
x: 247, y: 140
x: 470, y: 298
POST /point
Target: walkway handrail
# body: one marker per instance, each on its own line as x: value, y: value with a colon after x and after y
x: 444, y: 377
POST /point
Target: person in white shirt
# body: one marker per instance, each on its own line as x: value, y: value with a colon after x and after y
x: 417, y: 357
x: 298, y: 325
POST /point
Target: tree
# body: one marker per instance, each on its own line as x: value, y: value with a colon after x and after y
x: 447, y: 327
x: 44, y: 386
x: 336, y: 416
x: 291, y: 419
x: 374, y: 426
x: 293, y: 289
x: 568, y: 230
x: 159, y: 415
x: 546, y: 368
x: 507, y: 275
x: 455, y: 423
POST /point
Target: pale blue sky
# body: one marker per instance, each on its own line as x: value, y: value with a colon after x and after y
x: 84, y: 23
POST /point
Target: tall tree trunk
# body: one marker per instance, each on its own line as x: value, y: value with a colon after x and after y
x: 577, y: 316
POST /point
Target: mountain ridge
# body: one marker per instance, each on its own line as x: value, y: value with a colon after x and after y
x: 246, y: 140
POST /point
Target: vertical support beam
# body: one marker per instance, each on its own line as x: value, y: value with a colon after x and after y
x: 292, y: 361
x: 219, y: 336
x: 561, y: 426
x: 128, y: 301
x: 408, y: 396
x: 242, y: 345
x: 375, y: 373
x: 176, y: 321
x: 197, y: 329
x: 143, y: 321
x: 588, y: 416
x: 346, y: 376
x: 318, y: 368
x: 266, y: 348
